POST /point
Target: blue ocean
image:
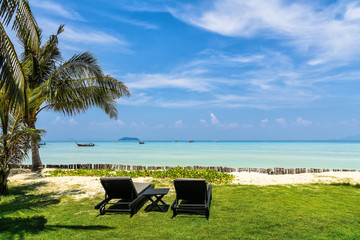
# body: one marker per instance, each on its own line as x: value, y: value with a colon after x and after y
x: 229, y: 154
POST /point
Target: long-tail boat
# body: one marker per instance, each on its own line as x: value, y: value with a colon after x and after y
x: 85, y: 145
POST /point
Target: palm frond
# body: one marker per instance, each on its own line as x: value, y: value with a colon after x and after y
x: 76, y: 96
x: 11, y: 74
x: 26, y: 27
x: 80, y: 66
x: 7, y: 9
x: 36, y: 99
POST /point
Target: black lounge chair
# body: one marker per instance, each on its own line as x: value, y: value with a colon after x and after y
x: 193, y: 196
x: 127, y: 193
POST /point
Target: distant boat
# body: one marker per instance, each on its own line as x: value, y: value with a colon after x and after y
x: 44, y: 143
x: 141, y: 142
x: 85, y: 145
x: 191, y: 141
x: 175, y: 141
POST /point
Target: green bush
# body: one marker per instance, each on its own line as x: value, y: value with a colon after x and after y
x: 211, y: 176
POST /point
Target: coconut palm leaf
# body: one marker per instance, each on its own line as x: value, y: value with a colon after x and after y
x: 72, y: 97
x: 24, y: 22
x: 80, y: 66
x: 11, y: 74
x: 7, y: 9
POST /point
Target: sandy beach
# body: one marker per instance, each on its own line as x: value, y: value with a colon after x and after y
x: 80, y: 187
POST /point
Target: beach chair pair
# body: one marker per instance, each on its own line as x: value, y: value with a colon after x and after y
x: 193, y: 196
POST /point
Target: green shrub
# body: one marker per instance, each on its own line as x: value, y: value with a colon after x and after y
x: 211, y: 176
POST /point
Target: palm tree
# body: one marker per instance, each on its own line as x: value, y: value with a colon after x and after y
x: 40, y: 80
x: 25, y: 26
x: 69, y: 87
x: 14, y: 139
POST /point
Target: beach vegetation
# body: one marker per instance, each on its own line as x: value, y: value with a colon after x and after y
x: 14, y: 139
x: 39, y: 79
x: 211, y: 176
x: 311, y: 211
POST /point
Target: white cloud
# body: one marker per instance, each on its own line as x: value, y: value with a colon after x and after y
x: 264, y: 122
x: 353, y: 122
x: 178, y: 123
x: 135, y: 22
x: 58, y: 121
x: 73, y: 122
x: 281, y: 121
x: 135, y: 99
x: 352, y: 12
x: 151, y: 81
x: 231, y: 125
x: 214, y: 120
x: 55, y: 8
x: 179, y: 103
x: 202, y: 121
x: 274, y: 82
x: 243, y: 59
x: 315, y: 31
x: 83, y: 36
x: 119, y: 122
x: 107, y: 124
x: 247, y: 126
x: 92, y: 36
x: 302, y: 122
x: 138, y: 125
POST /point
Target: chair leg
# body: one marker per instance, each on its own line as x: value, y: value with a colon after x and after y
x: 207, y: 214
x: 174, y: 213
x: 102, y: 210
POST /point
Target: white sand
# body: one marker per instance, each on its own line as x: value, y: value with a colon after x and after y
x: 264, y: 179
x: 79, y: 187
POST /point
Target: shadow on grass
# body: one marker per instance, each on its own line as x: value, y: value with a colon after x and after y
x: 16, y: 228
x: 346, y: 184
x: 25, y: 198
x: 78, y: 227
x: 22, y: 199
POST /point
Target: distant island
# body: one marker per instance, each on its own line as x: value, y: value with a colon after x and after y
x: 350, y: 138
x: 129, y: 139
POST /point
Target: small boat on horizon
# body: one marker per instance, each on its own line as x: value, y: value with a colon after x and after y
x: 85, y: 145
x: 141, y: 142
x: 191, y: 141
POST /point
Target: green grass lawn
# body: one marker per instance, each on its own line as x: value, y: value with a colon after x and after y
x: 316, y: 211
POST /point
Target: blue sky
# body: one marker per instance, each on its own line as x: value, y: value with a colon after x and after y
x: 226, y: 69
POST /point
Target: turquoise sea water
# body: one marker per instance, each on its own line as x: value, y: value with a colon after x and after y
x: 230, y: 154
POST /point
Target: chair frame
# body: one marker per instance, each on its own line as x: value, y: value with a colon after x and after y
x: 202, y: 208
x: 128, y: 205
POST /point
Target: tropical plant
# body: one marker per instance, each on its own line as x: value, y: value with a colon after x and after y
x: 11, y: 75
x: 40, y: 80
x: 212, y: 175
x: 14, y: 139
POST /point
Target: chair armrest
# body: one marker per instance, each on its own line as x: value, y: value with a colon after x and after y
x: 209, y: 193
x: 103, y: 202
x: 140, y: 196
x: 174, y: 203
x: 136, y: 201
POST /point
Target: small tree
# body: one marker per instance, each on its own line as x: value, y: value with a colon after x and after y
x: 39, y: 79
x: 14, y: 140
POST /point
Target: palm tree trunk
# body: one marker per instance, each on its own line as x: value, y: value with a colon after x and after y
x: 4, y: 174
x: 35, y: 155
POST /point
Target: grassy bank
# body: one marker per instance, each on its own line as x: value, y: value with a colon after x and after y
x: 316, y: 211
x: 211, y: 176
